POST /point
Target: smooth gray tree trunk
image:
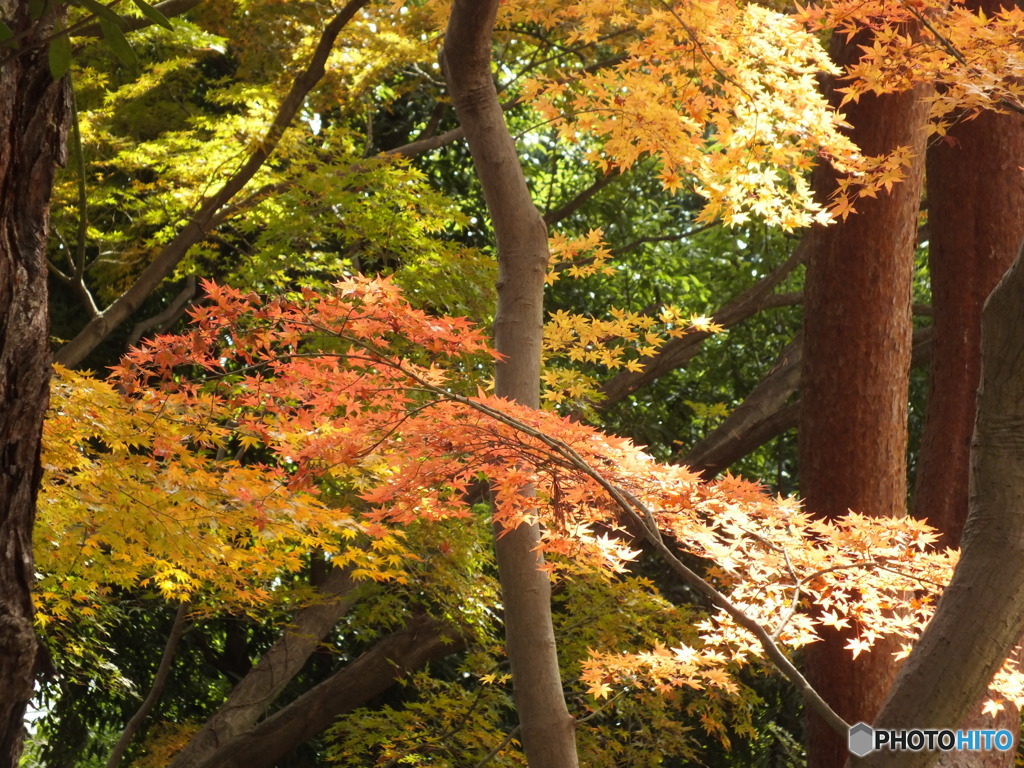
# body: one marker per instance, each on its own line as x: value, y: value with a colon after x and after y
x: 548, y: 731
x: 980, y: 617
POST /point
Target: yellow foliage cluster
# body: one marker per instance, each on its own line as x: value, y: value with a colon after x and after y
x: 140, y: 493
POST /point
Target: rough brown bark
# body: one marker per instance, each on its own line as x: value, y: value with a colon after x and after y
x: 980, y: 617
x: 975, y: 199
x: 33, y: 122
x: 548, y: 731
x: 857, y: 344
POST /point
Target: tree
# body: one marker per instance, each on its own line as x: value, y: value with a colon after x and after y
x: 548, y: 729
x: 976, y: 590
x: 298, y: 431
x: 34, y: 112
x: 973, y: 240
x: 856, y: 364
x: 972, y: 187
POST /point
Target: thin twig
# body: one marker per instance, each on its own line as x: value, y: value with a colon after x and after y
x: 494, y: 752
x: 78, y: 262
x: 159, y: 680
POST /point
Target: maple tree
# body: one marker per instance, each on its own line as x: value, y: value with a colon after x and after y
x: 324, y: 414
x: 313, y: 455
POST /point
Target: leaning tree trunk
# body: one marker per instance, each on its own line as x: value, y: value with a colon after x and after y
x: 980, y: 617
x: 975, y: 197
x: 547, y: 728
x: 33, y: 120
x: 856, y: 363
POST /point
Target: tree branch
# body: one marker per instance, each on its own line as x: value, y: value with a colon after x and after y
x: 678, y: 352
x: 423, y: 640
x: 256, y: 692
x: 169, y: 8
x: 570, y: 207
x: 642, y: 518
x: 760, y: 417
x: 168, y: 315
x: 157, y: 688
x: 72, y: 353
x: 764, y: 414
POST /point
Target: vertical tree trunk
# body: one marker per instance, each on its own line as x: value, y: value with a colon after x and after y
x: 547, y: 728
x: 975, y: 199
x: 33, y: 120
x: 975, y: 196
x: 856, y: 363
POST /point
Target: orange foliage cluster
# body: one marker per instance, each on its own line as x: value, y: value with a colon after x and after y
x: 726, y: 95
x: 229, y: 436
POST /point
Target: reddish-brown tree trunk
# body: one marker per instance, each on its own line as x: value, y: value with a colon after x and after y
x: 33, y: 121
x: 856, y: 362
x: 975, y: 200
x: 548, y: 729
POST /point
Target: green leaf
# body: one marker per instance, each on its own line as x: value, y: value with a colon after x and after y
x: 36, y: 9
x: 102, y: 11
x: 59, y: 54
x: 153, y: 14
x: 6, y: 33
x: 118, y: 43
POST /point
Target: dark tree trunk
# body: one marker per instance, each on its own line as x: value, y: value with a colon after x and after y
x: 548, y: 729
x: 33, y: 120
x: 856, y: 362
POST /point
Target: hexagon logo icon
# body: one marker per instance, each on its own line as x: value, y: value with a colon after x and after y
x: 861, y: 739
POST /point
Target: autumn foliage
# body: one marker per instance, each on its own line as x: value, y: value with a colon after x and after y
x: 211, y: 461
x: 219, y: 467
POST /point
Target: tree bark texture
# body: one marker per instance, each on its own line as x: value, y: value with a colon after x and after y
x: 856, y: 363
x: 33, y: 124
x: 975, y: 199
x: 980, y: 617
x: 548, y: 731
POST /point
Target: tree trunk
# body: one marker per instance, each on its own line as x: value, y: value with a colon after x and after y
x: 975, y: 195
x: 975, y: 198
x: 547, y: 728
x: 33, y: 121
x: 980, y: 617
x: 856, y: 362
